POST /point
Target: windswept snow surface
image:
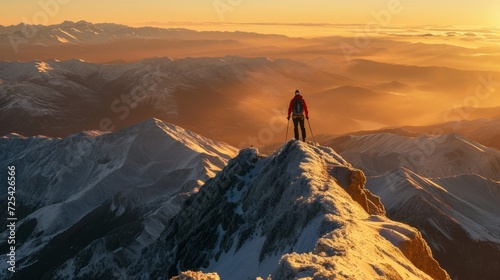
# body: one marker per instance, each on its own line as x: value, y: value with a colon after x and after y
x: 103, y: 194
x: 302, y: 212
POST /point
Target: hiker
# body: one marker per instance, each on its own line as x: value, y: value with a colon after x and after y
x: 298, y: 107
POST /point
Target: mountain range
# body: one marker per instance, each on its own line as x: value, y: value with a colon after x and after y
x: 89, y: 203
x: 150, y: 201
x: 447, y: 186
x: 110, y: 42
x: 83, y: 32
x: 60, y: 98
x: 139, y: 202
x: 259, y: 72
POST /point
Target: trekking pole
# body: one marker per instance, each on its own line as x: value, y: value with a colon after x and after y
x: 287, y: 124
x: 311, y: 131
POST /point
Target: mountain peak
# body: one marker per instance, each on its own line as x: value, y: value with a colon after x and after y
x: 13, y: 135
x: 69, y: 22
x: 170, y: 134
x: 90, y: 188
x: 156, y: 60
x: 312, y: 162
x: 276, y: 214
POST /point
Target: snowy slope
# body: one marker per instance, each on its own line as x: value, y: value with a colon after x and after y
x: 482, y: 130
x: 459, y: 217
x: 301, y: 212
x: 448, y: 187
x: 430, y: 156
x: 469, y: 200
x: 108, y: 194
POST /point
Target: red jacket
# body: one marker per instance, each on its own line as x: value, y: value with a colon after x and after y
x: 290, y: 108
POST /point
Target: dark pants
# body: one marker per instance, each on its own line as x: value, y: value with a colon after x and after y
x: 296, y: 122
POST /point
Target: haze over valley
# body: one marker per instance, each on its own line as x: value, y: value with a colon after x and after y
x: 185, y: 77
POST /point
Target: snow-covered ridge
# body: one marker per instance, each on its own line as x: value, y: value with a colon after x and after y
x: 301, y: 212
x: 431, y: 156
x: 196, y: 68
x: 83, y: 32
x: 134, y: 179
x: 86, y: 33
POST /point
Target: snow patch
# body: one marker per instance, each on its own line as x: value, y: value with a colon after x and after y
x: 307, y: 240
x: 229, y: 265
x: 61, y: 39
x: 68, y: 34
x: 43, y: 67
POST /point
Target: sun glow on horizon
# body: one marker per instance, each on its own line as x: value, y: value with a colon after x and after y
x: 385, y: 12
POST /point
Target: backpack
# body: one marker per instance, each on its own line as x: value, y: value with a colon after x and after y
x: 298, y: 107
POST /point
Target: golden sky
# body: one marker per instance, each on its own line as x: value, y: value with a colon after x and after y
x: 390, y: 12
